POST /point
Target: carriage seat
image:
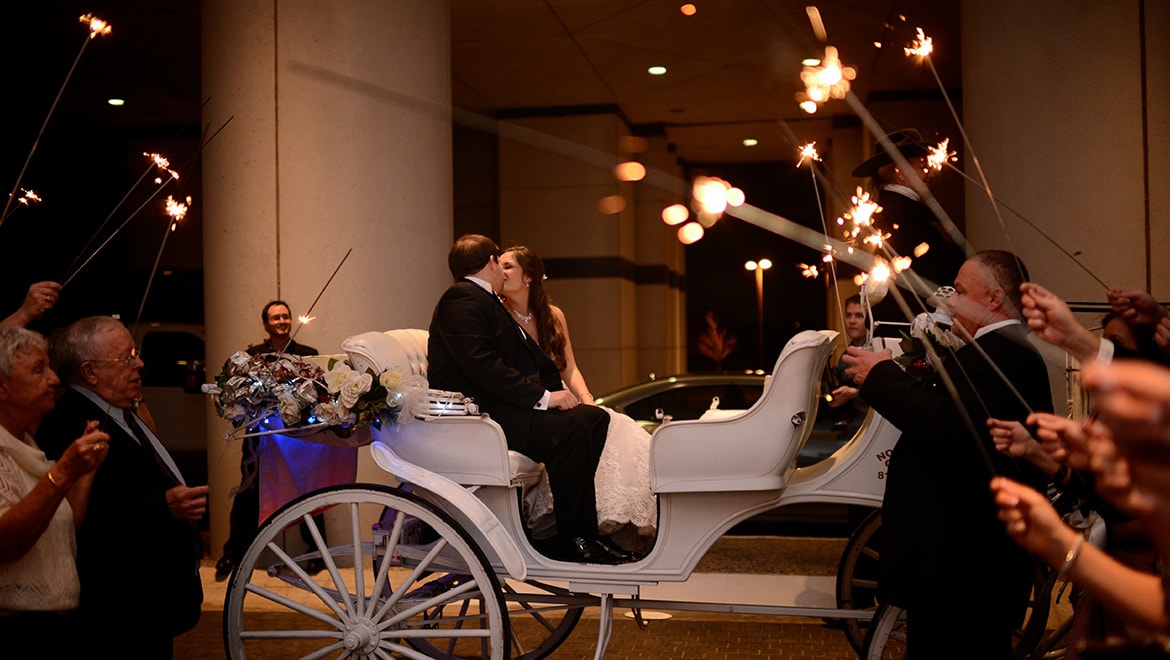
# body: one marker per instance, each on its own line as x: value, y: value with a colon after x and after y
x: 470, y: 450
x: 751, y: 450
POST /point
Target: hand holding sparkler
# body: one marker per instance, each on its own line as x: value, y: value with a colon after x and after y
x: 40, y: 298
x: 1135, y: 306
x: 1052, y: 320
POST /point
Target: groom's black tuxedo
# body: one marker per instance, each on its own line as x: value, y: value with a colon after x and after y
x: 942, y: 539
x: 476, y: 348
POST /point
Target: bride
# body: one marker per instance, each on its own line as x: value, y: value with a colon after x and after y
x: 626, y: 509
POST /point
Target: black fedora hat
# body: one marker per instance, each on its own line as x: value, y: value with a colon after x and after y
x: 908, y: 141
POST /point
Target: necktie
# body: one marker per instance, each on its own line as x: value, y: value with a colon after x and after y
x: 143, y: 440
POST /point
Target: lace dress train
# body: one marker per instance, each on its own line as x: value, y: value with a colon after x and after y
x: 627, y: 511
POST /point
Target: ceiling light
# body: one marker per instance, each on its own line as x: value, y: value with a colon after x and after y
x: 657, y: 70
x: 750, y: 142
x: 116, y: 102
x: 688, y: 9
x: 811, y: 61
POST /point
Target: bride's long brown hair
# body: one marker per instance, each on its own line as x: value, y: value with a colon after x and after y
x: 552, y: 336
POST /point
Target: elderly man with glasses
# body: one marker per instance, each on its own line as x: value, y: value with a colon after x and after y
x: 138, y: 550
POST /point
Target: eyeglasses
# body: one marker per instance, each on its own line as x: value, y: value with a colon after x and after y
x: 127, y: 361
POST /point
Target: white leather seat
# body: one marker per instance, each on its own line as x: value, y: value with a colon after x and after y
x: 470, y: 450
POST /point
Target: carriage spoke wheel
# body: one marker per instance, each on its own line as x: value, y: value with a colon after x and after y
x: 541, y: 616
x: 857, y: 576
x: 885, y: 637
x: 403, y: 580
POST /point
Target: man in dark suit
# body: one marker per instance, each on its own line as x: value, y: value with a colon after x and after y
x: 138, y: 551
x: 946, y: 557
x: 475, y: 347
x: 910, y: 224
x: 244, y: 520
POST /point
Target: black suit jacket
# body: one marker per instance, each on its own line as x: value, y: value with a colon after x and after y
x: 137, y: 564
x: 476, y: 348
x: 939, y: 519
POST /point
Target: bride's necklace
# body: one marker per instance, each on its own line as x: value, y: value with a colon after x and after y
x: 526, y: 319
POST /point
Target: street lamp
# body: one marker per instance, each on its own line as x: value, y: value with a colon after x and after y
x: 759, y: 267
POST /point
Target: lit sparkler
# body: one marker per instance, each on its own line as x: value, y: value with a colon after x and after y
x: 808, y: 270
x: 177, y: 210
x: 162, y: 163
x: 938, y: 156
x: 29, y: 197
x: 861, y: 228
x: 828, y: 80
x: 97, y: 27
x: 922, y: 46
x: 808, y: 152
x: 305, y: 319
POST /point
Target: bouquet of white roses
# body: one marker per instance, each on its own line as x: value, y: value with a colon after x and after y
x: 251, y: 388
x: 930, y: 342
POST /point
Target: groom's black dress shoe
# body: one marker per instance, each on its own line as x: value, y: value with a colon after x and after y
x: 614, y: 550
x: 583, y: 550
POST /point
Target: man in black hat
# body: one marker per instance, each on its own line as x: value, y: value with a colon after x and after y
x: 912, y: 226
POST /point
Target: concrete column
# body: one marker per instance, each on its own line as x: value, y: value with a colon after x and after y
x: 1067, y: 106
x: 339, y: 139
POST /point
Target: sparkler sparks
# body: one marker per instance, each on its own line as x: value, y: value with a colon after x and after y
x: 305, y: 319
x: 162, y: 163
x: 177, y: 210
x: 860, y: 216
x: 808, y: 152
x: 829, y: 80
x: 97, y: 27
x: 939, y: 156
x: 28, y: 197
x: 807, y: 270
x: 922, y: 46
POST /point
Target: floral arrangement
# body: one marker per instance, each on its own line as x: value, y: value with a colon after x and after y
x: 251, y: 388
x: 930, y: 342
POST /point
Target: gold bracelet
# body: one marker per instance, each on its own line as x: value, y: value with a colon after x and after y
x: 1071, y: 557
x: 49, y: 474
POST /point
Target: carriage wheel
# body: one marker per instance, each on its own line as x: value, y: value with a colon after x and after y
x: 1041, y: 637
x: 436, y: 591
x: 541, y: 617
x: 885, y: 637
x: 857, y: 576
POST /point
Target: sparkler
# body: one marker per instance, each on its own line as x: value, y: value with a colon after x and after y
x: 97, y: 28
x: 809, y: 153
x: 938, y: 156
x: 307, y: 314
x: 305, y: 319
x: 175, y: 211
x: 28, y: 198
x: 827, y: 80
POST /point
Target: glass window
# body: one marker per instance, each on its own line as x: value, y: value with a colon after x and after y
x: 169, y: 357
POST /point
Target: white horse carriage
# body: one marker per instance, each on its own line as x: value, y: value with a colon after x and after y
x: 431, y: 559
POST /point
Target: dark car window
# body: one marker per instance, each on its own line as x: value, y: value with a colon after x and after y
x: 169, y: 356
x: 691, y: 402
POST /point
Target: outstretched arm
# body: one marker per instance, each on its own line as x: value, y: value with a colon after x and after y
x: 1136, y: 597
x: 1052, y: 320
x: 40, y: 298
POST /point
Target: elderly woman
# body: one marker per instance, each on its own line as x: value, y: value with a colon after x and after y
x: 41, y: 502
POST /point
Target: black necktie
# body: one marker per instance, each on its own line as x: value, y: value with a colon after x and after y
x: 140, y: 435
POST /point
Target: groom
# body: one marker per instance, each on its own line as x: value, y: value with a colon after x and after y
x: 476, y: 348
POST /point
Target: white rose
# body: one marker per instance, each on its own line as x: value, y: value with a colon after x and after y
x: 335, y: 377
x: 354, y: 386
x: 333, y: 414
x: 290, y: 409
x: 391, y: 379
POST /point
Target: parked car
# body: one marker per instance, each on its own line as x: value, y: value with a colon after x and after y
x: 174, y: 357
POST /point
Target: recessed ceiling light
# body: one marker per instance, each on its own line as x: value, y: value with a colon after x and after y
x: 750, y: 142
x: 689, y: 9
x: 657, y: 70
x: 116, y: 102
x: 811, y: 61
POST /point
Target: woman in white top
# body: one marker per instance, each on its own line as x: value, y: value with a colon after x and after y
x: 41, y: 504
x: 626, y: 508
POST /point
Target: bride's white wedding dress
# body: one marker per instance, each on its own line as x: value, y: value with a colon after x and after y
x: 627, y: 511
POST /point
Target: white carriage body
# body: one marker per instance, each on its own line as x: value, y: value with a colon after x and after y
x: 707, y: 474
